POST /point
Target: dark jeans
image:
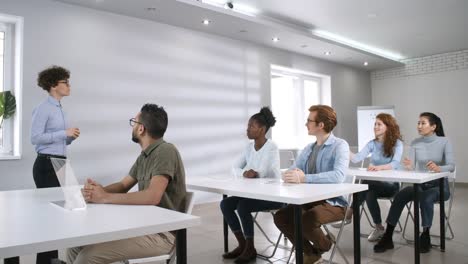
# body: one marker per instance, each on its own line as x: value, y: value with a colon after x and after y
x: 44, y: 177
x: 428, y: 195
x: 244, y: 207
x: 377, y: 190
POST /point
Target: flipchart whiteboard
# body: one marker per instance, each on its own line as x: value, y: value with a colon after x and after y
x: 366, y: 119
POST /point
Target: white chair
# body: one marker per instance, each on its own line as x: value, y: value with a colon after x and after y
x: 348, y: 179
x: 286, y: 161
x: 170, y: 257
x: 451, y: 178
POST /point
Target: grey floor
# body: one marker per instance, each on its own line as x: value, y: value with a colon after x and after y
x: 205, y: 243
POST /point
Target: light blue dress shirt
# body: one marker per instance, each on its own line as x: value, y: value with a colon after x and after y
x: 48, y: 128
x: 375, y: 148
x: 331, y: 164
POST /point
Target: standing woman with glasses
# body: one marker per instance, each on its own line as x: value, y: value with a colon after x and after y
x: 385, y: 150
x: 50, y: 134
x: 438, y: 158
x: 260, y: 159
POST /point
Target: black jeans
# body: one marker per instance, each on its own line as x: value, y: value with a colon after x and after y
x: 44, y: 177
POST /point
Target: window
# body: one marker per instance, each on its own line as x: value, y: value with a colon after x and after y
x: 11, y: 32
x: 292, y: 93
x: 2, y: 51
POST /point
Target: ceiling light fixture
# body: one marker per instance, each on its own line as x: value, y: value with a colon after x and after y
x: 206, y: 22
x: 304, y: 46
x: 366, y: 63
x: 275, y: 39
x: 237, y: 7
x: 229, y: 5
x: 151, y: 9
x: 327, y: 53
x: 352, y: 43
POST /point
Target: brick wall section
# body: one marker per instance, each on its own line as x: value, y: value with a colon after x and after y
x: 450, y: 61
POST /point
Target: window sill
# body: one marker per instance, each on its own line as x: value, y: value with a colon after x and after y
x: 4, y: 156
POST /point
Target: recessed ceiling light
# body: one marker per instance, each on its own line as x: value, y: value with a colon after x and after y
x: 206, y: 21
x: 366, y: 63
x: 243, y: 31
x: 327, y: 53
x: 304, y: 46
x: 151, y: 9
x: 275, y: 39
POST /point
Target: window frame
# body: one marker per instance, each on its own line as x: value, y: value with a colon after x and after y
x: 13, y: 26
x: 299, y: 78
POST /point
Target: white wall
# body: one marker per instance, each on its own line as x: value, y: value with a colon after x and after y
x: 209, y: 85
x: 444, y: 93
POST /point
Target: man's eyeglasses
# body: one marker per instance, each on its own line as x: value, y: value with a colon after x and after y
x: 67, y: 82
x: 133, y: 121
x: 311, y: 121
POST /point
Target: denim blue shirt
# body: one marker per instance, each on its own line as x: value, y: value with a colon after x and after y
x: 48, y: 128
x: 331, y: 164
x: 375, y: 148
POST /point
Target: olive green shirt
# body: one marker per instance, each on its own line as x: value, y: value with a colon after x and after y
x: 162, y: 158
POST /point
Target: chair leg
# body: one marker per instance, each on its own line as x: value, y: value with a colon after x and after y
x: 363, y: 210
x: 261, y: 229
x: 274, y: 250
x: 410, y: 214
x: 291, y: 254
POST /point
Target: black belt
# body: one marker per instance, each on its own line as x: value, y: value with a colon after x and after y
x: 48, y: 156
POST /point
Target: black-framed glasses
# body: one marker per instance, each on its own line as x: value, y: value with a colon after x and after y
x: 311, y: 121
x: 67, y: 82
x: 132, y: 122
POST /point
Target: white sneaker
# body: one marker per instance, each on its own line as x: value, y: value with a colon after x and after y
x: 376, y: 235
x: 338, y: 224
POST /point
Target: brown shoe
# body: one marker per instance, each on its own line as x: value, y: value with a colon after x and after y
x: 312, y: 259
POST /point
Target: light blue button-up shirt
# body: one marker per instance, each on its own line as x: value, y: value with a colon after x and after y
x: 48, y: 128
x: 375, y: 148
x: 331, y: 164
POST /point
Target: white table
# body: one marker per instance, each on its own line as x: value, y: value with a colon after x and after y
x: 276, y: 191
x: 29, y: 223
x: 416, y: 178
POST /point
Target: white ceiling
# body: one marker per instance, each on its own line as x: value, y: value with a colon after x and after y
x: 407, y: 28
x: 413, y: 28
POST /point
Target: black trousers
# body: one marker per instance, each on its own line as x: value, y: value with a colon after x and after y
x: 44, y: 177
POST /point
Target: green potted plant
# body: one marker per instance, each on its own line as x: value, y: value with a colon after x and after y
x: 7, y: 106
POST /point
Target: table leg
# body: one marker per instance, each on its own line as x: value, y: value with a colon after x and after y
x: 356, y: 230
x: 442, y: 214
x: 416, y: 223
x: 298, y: 233
x: 225, y: 232
x: 181, y: 246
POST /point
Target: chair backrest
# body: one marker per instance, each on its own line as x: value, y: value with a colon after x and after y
x: 349, y: 179
x: 189, y: 202
x: 286, y: 158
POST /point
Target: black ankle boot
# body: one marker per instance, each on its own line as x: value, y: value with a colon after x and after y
x: 386, y: 242
x: 425, y: 242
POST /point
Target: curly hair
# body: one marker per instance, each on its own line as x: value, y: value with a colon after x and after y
x: 391, y: 135
x: 265, y: 118
x: 50, y: 77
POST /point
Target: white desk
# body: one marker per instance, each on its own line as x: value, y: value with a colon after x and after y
x: 296, y: 194
x: 29, y: 223
x: 416, y: 178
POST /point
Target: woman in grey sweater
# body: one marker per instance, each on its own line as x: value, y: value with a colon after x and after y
x: 434, y: 152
